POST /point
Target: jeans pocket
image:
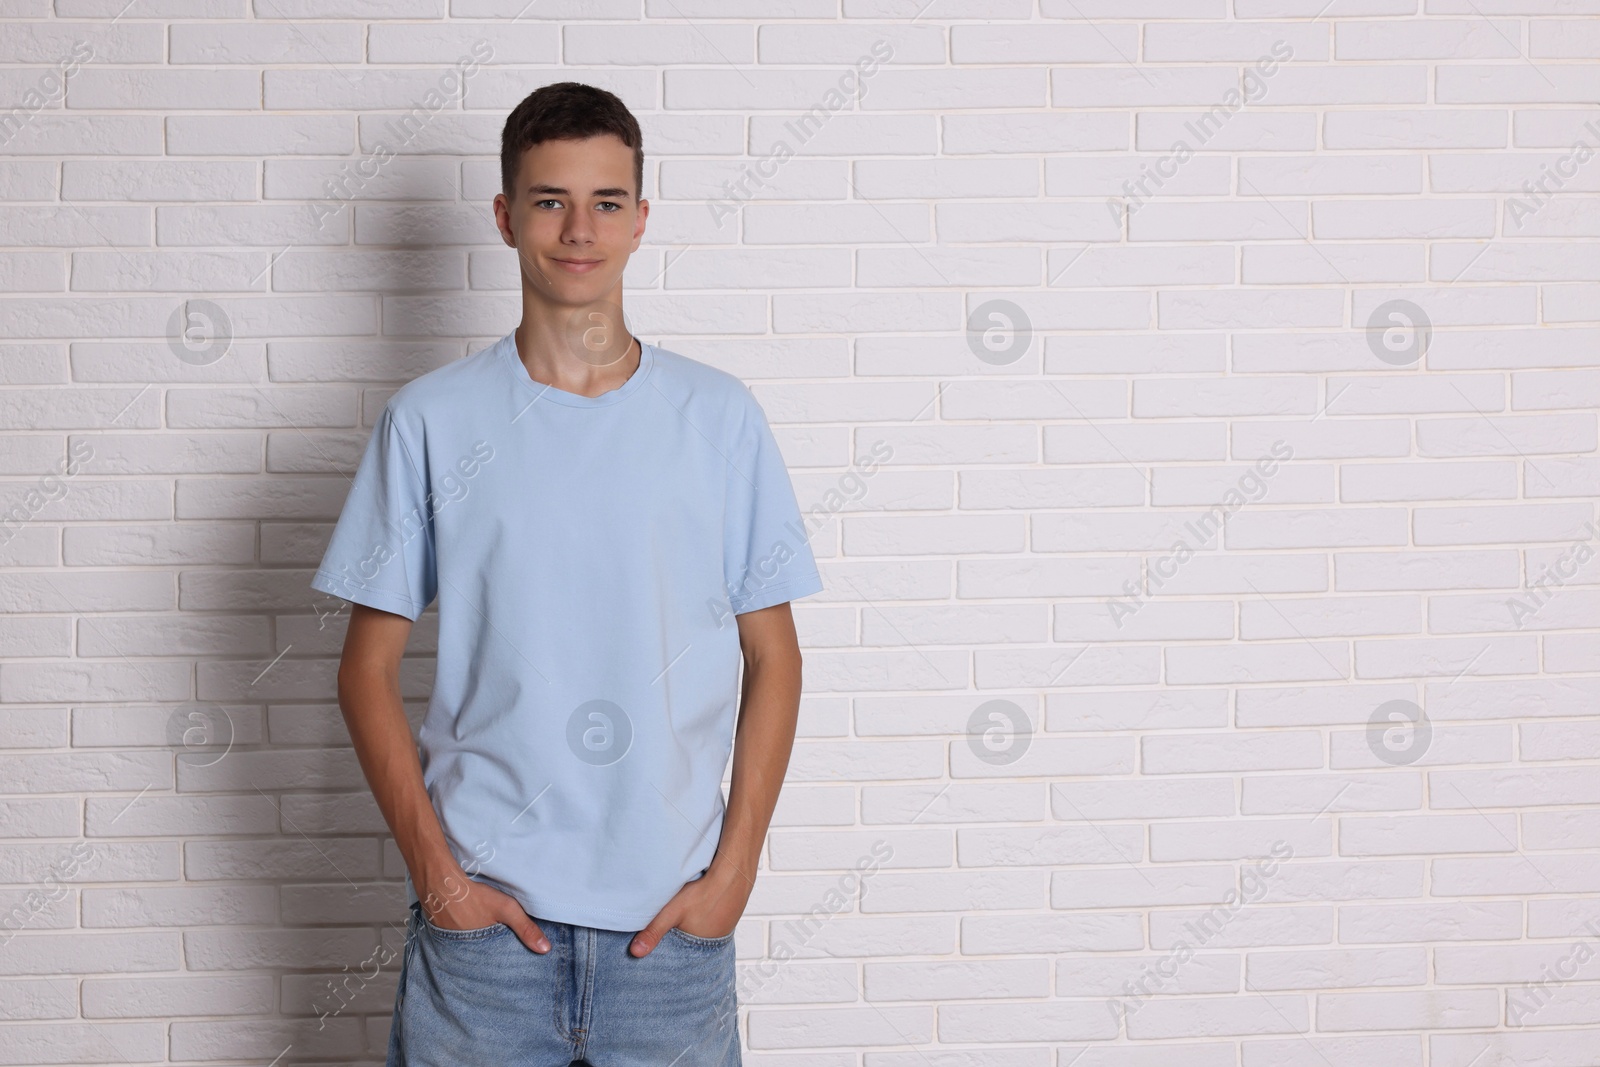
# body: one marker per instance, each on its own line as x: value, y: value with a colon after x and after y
x: 477, y: 933
x: 701, y: 942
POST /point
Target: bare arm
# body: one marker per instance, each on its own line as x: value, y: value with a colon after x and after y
x: 768, y: 707
x: 369, y: 697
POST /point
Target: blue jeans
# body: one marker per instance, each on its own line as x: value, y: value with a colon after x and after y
x: 480, y: 997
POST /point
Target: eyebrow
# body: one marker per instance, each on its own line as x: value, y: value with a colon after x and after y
x: 609, y: 191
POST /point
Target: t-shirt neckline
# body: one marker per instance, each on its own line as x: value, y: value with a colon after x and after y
x: 513, y: 364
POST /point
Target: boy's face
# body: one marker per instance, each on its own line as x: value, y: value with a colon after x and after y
x: 574, y: 220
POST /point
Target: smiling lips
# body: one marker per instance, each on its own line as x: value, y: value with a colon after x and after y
x: 578, y: 266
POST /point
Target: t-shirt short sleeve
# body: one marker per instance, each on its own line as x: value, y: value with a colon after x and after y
x: 381, y: 553
x: 767, y: 557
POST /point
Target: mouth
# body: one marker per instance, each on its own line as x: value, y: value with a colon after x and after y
x: 578, y: 266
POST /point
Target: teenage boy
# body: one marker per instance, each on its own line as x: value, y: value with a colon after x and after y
x: 607, y: 526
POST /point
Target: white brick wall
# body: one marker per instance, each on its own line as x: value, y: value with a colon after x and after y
x: 1207, y: 854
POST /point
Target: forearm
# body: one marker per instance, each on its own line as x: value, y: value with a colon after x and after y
x: 376, y: 718
x: 768, y: 709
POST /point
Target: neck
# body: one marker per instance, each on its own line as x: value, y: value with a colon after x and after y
x: 571, y: 362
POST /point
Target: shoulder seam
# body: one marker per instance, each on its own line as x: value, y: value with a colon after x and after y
x: 405, y: 448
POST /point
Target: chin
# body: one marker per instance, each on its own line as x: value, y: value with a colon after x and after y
x: 566, y: 289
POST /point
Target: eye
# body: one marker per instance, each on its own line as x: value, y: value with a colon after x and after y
x: 542, y: 203
x: 612, y: 204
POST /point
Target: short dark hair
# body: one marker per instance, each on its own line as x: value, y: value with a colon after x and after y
x: 567, y: 111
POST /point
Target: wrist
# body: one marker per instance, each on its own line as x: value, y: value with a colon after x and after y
x: 740, y: 872
x: 436, y: 873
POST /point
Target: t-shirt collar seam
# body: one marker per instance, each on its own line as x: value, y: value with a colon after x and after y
x: 549, y: 392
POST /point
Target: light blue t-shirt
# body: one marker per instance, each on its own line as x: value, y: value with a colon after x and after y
x: 588, y: 555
